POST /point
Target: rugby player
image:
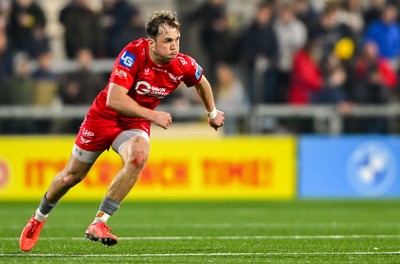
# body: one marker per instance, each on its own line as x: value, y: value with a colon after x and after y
x: 146, y: 71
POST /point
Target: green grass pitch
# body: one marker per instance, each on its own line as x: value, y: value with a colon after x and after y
x: 304, y: 231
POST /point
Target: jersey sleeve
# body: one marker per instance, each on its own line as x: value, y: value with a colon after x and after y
x: 193, y: 71
x: 125, y: 67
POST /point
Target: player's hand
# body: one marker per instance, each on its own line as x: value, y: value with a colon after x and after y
x: 218, y: 121
x: 162, y: 119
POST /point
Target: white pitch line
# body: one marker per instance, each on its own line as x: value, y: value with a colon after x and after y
x: 230, y: 225
x: 259, y: 237
x: 261, y: 254
x: 297, y: 237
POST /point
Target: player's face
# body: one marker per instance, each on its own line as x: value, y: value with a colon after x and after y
x: 166, y: 46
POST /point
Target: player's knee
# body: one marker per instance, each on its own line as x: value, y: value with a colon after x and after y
x: 71, y: 179
x: 138, y: 160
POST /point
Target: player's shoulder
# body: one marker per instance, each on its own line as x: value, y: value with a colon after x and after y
x: 185, y: 60
x: 141, y: 42
x: 137, y: 47
x: 133, y: 53
x: 189, y: 65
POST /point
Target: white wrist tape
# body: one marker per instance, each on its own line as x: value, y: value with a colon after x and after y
x: 213, y: 113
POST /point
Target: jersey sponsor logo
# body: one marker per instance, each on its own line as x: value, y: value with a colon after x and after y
x: 121, y: 73
x: 182, y: 60
x: 175, y: 78
x: 139, y: 43
x: 144, y: 88
x: 170, y: 75
x: 127, y: 59
x: 85, y: 141
x: 199, y: 71
x: 160, y: 70
x: 87, y: 133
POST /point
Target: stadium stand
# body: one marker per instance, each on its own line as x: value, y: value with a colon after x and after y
x: 338, y: 28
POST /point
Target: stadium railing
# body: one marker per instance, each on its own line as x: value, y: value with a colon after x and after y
x: 327, y: 119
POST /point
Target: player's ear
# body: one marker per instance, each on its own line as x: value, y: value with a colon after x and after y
x: 152, y: 43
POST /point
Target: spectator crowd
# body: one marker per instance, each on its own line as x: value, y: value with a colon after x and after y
x: 88, y: 35
x: 292, y: 52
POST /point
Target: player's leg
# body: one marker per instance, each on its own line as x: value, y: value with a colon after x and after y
x: 134, y: 155
x: 74, y: 172
x: 134, y: 148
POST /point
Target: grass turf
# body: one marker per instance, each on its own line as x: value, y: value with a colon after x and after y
x: 361, y: 231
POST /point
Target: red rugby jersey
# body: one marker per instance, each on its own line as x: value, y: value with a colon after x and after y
x: 147, y: 82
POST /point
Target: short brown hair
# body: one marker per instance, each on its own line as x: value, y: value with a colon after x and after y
x: 160, y: 18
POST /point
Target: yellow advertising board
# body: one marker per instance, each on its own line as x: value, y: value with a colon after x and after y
x: 223, y: 168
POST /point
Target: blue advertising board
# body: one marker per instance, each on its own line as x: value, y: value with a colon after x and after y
x: 349, y: 167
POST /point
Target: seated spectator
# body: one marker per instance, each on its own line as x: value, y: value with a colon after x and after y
x: 44, y: 67
x: 45, y: 81
x: 45, y: 88
x: 81, y: 86
x: 376, y: 79
x: 19, y: 85
x: 376, y: 76
x: 333, y: 91
x: 230, y: 98
x: 18, y: 91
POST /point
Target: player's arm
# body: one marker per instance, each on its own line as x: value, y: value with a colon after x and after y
x: 119, y: 101
x: 215, y: 117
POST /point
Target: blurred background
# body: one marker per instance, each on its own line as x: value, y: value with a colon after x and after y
x: 306, y: 85
x: 337, y: 59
